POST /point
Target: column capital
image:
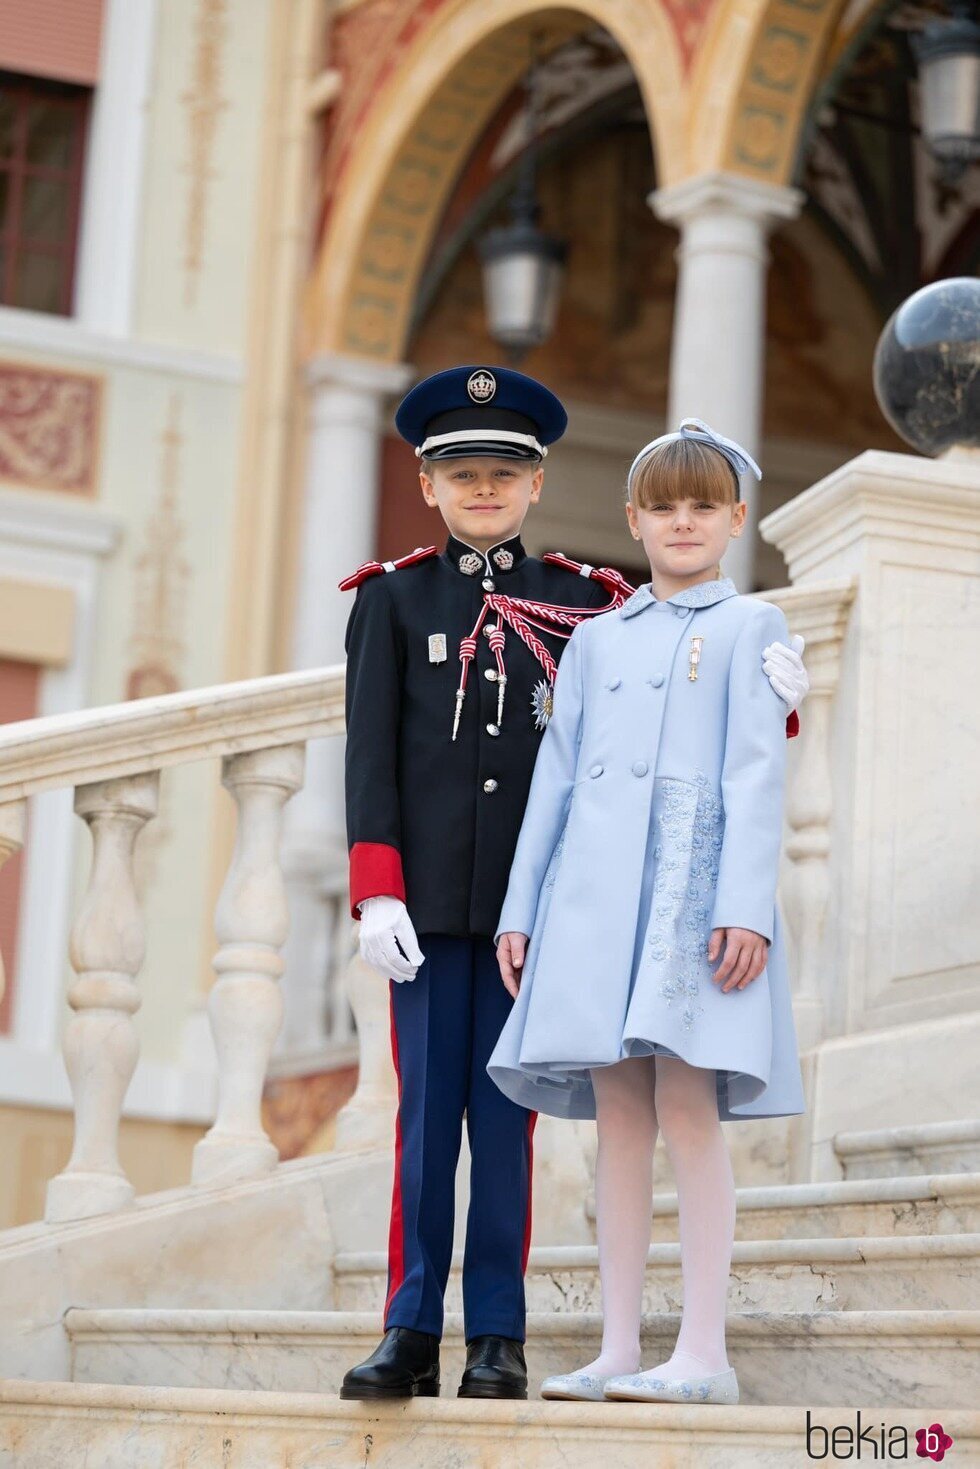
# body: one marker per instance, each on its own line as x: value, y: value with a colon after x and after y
x: 360, y: 374
x: 722, y: 192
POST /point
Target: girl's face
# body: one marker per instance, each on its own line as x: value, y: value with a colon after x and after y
x: 483, y: 501
x: 685, y: 539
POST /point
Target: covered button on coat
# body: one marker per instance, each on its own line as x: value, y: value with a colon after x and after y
x: 654, y: 816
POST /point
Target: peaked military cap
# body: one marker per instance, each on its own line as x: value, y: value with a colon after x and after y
x: 480, y: 410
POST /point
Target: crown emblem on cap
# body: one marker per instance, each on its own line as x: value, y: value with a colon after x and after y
x: 481, y: 385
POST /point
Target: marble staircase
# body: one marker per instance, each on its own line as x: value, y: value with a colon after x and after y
x: 160, y: 1428
x: 891, y: 1359
x: 929, y: 1147
x: 856, y: 1296
x: 843, y: 1294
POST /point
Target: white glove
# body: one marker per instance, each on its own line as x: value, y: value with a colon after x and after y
x: 387, y: 939
x: 786, y: 673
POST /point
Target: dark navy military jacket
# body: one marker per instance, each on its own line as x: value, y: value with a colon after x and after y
x: 433, y: 821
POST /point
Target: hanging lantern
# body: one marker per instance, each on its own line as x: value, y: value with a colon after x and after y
x: 522, y: 266
x: 948, y: 55
x: 522, y: 274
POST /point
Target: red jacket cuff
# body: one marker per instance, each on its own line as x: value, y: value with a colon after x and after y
x: 375, y: 872
x: 792, y: 725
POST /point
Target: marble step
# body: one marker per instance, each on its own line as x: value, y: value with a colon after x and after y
x: 892, y: 1358
x: 897, y: 1272
x: 929, y: 1147
x: 50, y: 1425
x: 938, y: 1203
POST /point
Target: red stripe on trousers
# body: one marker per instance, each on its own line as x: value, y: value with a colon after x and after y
x: 532, y: 1119
x: 396, y: 1229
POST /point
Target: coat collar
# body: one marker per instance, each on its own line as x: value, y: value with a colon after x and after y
x: 704, y: 594
x: 498, y: 561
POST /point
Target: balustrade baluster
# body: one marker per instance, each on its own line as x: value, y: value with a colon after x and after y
x: 13, y: 818
x: 108, y: 941
x: 245, y: 1004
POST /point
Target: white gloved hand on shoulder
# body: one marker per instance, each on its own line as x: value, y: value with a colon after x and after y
x: 387, y: 939
x: 784, y: 669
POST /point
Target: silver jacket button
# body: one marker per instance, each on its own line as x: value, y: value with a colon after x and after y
x: 640, y: 768
x: 491, y: 674
x: 488, y: 584
x: 489, y: 786
x: 595, y: 771
x: 493, y: 729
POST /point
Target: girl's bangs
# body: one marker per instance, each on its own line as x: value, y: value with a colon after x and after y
x: 683, y: 469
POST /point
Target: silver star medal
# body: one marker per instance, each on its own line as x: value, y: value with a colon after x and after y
x: 542, y: 702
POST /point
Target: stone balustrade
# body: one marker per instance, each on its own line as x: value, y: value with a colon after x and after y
x: 113, y: 757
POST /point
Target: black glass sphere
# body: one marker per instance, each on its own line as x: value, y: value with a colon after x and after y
x: 927, y: 366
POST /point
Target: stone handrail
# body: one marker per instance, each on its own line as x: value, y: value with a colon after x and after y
x: 113, y: 757
x: 171, y: 729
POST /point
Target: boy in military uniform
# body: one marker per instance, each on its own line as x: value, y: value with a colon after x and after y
x: 451, y: 658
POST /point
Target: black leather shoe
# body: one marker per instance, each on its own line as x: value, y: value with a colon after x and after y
x: 495, y: 1368
x: 405, y: 1364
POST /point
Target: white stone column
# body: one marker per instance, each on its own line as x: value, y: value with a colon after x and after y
x: 113, y: 193
x: 348, y: 403
x: 718, y: 346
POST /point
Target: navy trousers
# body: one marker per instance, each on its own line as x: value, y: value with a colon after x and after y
x: 444, y: 1025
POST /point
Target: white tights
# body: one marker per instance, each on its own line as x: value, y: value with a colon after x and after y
x: 635, y: 1098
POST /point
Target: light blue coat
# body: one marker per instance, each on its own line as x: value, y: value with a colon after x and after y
x: 654, y: 816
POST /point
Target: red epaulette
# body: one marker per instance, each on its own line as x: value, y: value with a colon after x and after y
x: 612, y: 580
x: 375, y: 568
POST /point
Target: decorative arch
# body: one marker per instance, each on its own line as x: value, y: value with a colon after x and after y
x: 754, y: 76
x: 419, y: 132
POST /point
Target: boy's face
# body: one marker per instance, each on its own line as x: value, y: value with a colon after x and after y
x: 483, y: 501
x: 685, y: 538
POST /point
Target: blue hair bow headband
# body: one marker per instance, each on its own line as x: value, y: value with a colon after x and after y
x: 696, y: 428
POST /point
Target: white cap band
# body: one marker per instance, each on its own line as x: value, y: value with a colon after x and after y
x: 481, y: 435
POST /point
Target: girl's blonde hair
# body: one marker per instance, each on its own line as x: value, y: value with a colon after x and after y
x: 683, y: 469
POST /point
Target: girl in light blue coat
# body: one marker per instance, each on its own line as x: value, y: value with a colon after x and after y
x: 639, y: 933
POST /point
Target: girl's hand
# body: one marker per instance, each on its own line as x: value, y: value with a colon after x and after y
x: 746, y: 954
x: 510, y: 956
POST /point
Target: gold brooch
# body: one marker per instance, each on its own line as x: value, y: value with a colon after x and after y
x: 695, y: 658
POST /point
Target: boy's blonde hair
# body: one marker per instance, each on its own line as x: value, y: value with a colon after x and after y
x: 683, y: 469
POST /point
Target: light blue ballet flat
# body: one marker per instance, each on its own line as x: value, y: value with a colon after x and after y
x: 648, y: 1387
x: 584, y: 1387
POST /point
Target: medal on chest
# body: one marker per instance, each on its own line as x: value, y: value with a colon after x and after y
x: 542, y: 703
x: 437, y: 647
